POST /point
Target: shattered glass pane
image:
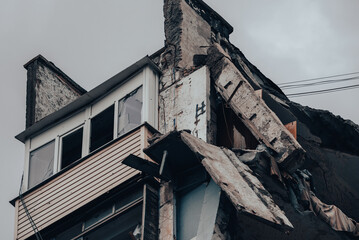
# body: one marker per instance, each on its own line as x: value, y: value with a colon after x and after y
x: 130, y: 109
x: 41, y: 164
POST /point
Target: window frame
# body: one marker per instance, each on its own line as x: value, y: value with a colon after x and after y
x: 90, y: 126
x: 146, y: 79
x: 114, y: 214
x: 60, y: 139
x: 117, y: 106
x: 29, y: 162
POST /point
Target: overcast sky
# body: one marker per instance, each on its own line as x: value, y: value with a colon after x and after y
x: 93, y: 40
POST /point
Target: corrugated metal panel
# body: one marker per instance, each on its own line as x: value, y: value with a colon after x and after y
x: 83, y: 183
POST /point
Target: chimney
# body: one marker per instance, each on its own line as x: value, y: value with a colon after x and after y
x: 191, y: 26
x: 48, y: 89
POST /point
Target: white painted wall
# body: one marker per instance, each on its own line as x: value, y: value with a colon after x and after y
x: 178, y: 104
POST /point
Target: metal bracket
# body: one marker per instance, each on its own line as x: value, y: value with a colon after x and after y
x: 164, y: 157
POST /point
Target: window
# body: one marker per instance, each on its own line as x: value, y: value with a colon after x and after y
x: 71, y: 148
x: 189, y: 206
x: 41, y: 164
x: 102, y: 128
x: 122, y: 227
x: 119, y: 217
x: 100, y: 214
x: 130, y: 108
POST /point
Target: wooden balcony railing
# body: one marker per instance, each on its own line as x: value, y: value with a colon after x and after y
x: 80, y: 183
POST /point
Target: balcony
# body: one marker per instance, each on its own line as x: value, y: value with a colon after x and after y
x: 80, y: 183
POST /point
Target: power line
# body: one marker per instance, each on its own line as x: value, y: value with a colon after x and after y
x: 312, y: 79
x: 32, y: 223
x: 302, y: 94
x: 319, y: 83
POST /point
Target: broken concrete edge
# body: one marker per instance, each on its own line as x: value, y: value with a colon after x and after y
x: 200, y: 148
x: 217, y: 22
x: 172, y: 55
x: 281, y: 140
x: 278, y: 219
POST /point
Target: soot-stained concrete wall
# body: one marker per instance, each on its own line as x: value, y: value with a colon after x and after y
x: 48, y: 90
x: 51, y: 93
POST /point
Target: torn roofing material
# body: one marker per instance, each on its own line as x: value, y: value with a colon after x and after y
x: 87, y: 98
x: 244, y: 190
x: 303, y: 189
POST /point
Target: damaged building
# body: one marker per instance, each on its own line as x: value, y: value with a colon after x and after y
x: 190, y: 143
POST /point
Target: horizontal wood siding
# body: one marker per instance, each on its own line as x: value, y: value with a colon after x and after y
x: 80, y: 185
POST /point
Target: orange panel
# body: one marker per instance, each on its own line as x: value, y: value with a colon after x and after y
x: 292, y: 127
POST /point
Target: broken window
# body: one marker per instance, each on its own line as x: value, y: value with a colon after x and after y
x: 41, y: 164
x: 71, y: 148
x: 130, y: 109
x: 102, y: 128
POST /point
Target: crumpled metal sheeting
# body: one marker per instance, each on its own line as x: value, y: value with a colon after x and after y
x: 331, y: 214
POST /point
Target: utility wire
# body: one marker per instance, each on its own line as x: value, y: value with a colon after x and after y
x: 32, y: 223
x: 319, y: 83
x: 312, y: 79
x: 323, y: 91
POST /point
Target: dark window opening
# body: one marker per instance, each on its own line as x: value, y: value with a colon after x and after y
x: 120, y: 228
x: 129, y: 114
x: 118, y: 217
x: 71, y: 148
x: 232, y: 133
x: 101, y: 212
x: 41, y: 164
x: 102, y: 128
x: 69, y: 233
